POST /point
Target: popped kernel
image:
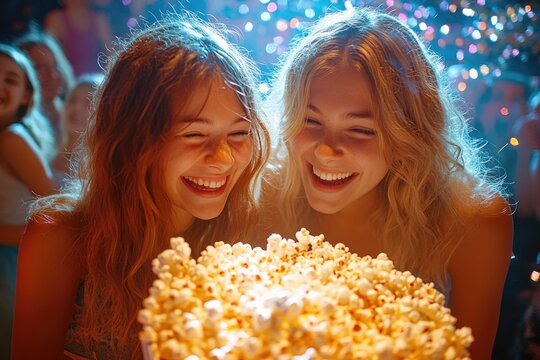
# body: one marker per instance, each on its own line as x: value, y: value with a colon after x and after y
x: 303, y: 299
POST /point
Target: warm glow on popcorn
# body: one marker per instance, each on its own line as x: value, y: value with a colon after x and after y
x: 302, y: 299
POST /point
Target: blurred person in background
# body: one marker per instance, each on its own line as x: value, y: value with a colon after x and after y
x: 83, y: 33
x: 527, y: 132
x: 24, y: 171
x: 75, y: 117
x: 54, y: 72
x: 499, y: 108
x: 523, y: 156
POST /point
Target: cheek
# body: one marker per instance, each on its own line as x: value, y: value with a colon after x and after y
x: 369, y: 153
x: 362, y: 147
x: 300, y: 143
x: 244, y: 154
x: 170, y: 178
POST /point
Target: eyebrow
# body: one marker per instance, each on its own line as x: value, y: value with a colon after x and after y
x: 359, y: 115
x: 200, y: 120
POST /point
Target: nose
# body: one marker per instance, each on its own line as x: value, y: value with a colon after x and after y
x: 328, y: 150
x: 220, y: 156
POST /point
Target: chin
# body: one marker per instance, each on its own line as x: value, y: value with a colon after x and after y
x: 325, y: 208
x: 208, y: 214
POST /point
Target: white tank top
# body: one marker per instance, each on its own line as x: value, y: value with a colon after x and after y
x: 15, y: 199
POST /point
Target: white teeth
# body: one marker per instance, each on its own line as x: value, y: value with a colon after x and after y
x: 212, y: 184
x: 331, y: 176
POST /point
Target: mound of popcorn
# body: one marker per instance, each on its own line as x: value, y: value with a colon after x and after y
x: 304, y: 299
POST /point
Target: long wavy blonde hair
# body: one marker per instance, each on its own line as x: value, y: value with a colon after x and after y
x: 434, y: 164
x: 118, y: 208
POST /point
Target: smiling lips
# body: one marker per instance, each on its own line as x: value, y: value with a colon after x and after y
x: 209, y: 186
x: 331, y: 179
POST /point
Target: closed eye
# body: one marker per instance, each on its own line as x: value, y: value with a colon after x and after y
x: 312, y: 121
x: 240, y: 133
x: 362, y: 131
x: 12, y: 81
x: 192, y: 135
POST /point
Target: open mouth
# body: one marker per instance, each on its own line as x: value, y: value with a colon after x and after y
x: 331, y: 179
x: 205, y: 185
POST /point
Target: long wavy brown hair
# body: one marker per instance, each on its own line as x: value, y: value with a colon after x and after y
x: 118, y: 207
x: 435, y: 166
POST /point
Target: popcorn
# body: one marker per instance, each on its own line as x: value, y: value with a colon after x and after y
x: 300, y: 300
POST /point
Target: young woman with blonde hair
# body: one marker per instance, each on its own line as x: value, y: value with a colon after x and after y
x: 377, y: 157
x: 173, y: 148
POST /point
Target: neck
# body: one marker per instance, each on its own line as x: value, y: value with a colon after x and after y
x: 6, y: 121
x: 182, y: 221
x: 359, y: 212
x: 352, y: 226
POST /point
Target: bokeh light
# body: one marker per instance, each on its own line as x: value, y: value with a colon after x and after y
x: 482, y: 34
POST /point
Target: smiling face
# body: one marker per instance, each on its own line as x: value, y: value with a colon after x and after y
x: 337, y: 151
x: 47, y: 70
x: 77, y: 110
x: 13, y: 91
x: 209, y: 148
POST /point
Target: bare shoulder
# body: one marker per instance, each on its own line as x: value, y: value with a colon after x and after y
x: 496, y: 207
x: 478, y: 269
x: 21, y: 156
x: 50, y: 238
x: 485, y: 249
x: 11, y: 135
x: 15, y: 137
x: 16, y: 147
x: 490, y: 217
x: 48, y: 280
x: 489, y: 229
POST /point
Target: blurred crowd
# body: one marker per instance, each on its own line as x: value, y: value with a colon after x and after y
x: 67, y: 41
